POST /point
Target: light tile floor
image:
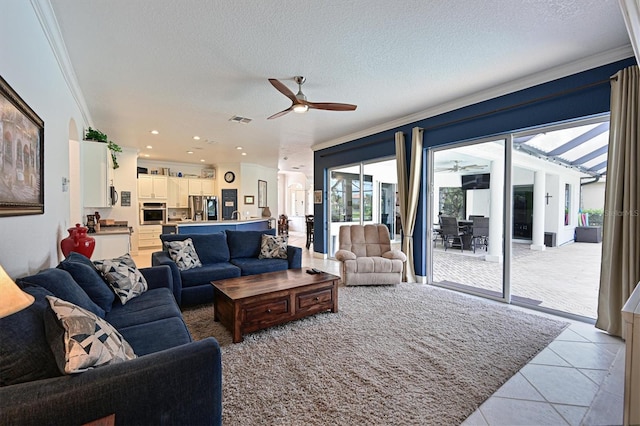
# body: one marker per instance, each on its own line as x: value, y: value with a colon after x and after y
x: 577, y: 380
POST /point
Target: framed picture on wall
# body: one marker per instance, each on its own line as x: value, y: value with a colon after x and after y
x: 248, y: 199
x: 21, y: 156
x: 262, y: 193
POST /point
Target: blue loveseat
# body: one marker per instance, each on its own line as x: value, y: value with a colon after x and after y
x: 172, y: 381
x: 225, y: 254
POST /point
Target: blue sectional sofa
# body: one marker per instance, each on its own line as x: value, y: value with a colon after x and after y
x: 173, y: 380
x: 225, y: 254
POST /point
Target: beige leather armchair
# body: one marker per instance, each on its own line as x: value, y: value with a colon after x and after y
x: 367, y: 257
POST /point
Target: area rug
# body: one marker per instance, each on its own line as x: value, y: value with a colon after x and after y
x: 400, y: 355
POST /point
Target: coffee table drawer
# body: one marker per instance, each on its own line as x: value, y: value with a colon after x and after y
x: 266, y: 312
x: 316, y: 300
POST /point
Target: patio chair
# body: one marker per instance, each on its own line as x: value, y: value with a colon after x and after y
x: 480, y: 236
x: 367, y: 257
x: 451, y: 232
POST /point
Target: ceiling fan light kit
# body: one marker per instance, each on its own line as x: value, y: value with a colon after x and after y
x: 299, y: 101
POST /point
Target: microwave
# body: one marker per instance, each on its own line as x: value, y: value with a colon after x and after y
x: 153, y: 213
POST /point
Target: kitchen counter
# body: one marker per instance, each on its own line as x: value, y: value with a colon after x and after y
x: 209, y: 226
x: 112, y: 231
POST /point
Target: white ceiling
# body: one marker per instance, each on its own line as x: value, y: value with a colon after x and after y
x: 185, y: 67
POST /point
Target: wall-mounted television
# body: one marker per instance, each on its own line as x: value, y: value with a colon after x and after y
x: 480, y: 181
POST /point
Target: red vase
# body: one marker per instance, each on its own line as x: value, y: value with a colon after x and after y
x: 78, y: 241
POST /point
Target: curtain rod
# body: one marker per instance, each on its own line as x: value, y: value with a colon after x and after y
x: 484, y: 114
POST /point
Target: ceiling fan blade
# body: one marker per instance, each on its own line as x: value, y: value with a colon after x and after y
x: 281, y: 113
x: 330, y: 106
x: 283, y: 89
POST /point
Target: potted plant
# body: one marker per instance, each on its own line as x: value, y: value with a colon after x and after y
x: 96, y: 135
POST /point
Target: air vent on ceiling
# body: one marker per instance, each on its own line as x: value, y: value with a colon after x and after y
x: 240, y: 119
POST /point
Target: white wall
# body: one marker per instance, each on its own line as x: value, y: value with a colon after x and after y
x: 27, y: 63
x: 593, y: 196
x: 250, y: 174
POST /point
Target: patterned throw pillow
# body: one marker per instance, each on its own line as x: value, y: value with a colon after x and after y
x: 80, y: 340
x: 184, y: 254
x: 273, y: 247
x: 123, y: 276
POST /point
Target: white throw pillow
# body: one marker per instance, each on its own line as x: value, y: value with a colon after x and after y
x: 80, y: 340
x: 123, y: 276
x: 183, y: 253
x: 273, y: 247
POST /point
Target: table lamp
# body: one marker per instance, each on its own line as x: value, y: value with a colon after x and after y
x: 12, y: 299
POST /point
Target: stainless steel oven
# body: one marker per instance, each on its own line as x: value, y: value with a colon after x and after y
x: 153, y: 213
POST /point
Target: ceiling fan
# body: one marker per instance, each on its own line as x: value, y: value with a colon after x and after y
x: 458, y: 168
x: 299, y: 102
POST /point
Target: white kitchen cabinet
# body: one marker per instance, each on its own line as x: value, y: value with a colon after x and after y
x: 201, y: 187
x: 97, y: 174
x: 152, y: 187
x: 149, y: 236
x: 178, y: 193
x: 110, y: 246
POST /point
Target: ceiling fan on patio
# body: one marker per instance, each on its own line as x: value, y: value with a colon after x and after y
x: 457, y: 167
x: 299, y: 102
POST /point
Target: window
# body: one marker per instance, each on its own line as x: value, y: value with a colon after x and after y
x: 349, y: 198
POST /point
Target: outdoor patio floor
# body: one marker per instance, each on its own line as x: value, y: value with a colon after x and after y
x: 562, y: 278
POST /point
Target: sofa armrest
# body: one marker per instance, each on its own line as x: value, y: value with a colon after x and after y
x: 395, y: 254
x: 343, y: 255
x: 158, y: 276
x: 294, y: 256
x: 181, y: 385
x: 159, y: 258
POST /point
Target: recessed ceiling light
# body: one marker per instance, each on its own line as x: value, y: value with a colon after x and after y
x: 149, y: 147
x: 146, y: 155
x: 154, y: 132
x: 244, y: 153
x: 238, y: 147
x: 202, y: 160
x: 196, y: 138
x: 189, y: 152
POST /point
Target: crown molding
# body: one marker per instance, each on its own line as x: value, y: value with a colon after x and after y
x: 49, y: 24
x: 631, y: 14
x: 551, y: 74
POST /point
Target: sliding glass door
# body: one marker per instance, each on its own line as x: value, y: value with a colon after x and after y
x: 467, y: 205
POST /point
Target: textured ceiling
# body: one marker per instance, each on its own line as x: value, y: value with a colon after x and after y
x: 185, y: 67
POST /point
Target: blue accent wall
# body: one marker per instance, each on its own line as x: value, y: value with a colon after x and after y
x: 568, y: 98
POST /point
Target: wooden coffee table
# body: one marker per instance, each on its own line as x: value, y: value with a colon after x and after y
x: 255, y: 302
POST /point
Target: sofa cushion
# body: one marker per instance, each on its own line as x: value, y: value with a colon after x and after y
x: 61, y: 284
x: 88, y: 277
x: 150, y: 306
x: 25, y: 354
x: 80, y: 340
x: 273, y: 247
x: 211, y: 248
x: 123, y: 276
x: 157, y: 335
x: 183, y: 254
x: 253, y: 265
x: 246, y: 243
x: 208, y: 273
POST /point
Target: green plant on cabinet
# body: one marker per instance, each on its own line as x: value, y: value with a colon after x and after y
x: 96, y: 135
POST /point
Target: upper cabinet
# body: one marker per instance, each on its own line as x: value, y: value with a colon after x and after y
x: 178, y: 193
x: 201, y: 187
x: 97, y: 174
x: 152, y: 187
